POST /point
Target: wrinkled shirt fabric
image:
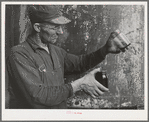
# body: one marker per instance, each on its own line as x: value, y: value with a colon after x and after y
x: 36, y: 77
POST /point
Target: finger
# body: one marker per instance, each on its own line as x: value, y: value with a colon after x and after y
x: 123, y: 49
x: 99, y: 92
x: 119, y: 43
x: 93, y: 96
x: 95, y: 93
x: 96, y: 70
x: 101, y: 87
x: 124, y: 44
x: 117, y: 51
x: 127, y: 48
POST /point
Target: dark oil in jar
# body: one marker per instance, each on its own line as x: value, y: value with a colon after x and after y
x: 102, y: 78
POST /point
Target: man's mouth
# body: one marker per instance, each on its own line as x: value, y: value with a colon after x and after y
x: 54, y: 37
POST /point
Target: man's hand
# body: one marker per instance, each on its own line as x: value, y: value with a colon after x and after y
x: 89, y: 84
x: 114, y: 45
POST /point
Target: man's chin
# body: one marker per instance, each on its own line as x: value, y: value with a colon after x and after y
x: 53, y: 41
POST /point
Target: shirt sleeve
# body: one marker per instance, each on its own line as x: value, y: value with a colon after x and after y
x: 27, y: 78
x: 82, y: 63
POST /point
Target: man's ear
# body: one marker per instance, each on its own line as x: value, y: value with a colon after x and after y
x: 36, y: 27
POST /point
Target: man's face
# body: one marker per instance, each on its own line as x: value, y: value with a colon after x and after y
x: 49, y: 33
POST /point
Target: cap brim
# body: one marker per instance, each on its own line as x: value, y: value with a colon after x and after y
x: 60, y: 20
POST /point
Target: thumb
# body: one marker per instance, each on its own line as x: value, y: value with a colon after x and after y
x: 96, y: 70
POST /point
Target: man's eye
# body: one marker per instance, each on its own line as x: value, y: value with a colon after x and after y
x: 54, y: 28
x: 57, y: 27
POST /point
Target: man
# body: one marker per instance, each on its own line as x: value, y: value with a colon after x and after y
x: 37, y: 67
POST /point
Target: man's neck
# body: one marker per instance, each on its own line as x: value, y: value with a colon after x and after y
x: 39, y: 42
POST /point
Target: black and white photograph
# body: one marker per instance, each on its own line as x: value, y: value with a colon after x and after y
x: 74, y: 60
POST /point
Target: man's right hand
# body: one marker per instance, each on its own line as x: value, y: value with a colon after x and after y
x: 89, y: 84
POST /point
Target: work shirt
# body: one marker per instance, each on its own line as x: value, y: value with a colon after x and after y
x: 37, y: 77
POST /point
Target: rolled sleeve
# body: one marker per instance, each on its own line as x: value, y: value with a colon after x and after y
x: 69, y: 86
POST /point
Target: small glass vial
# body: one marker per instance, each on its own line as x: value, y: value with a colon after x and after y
x: 119, y: 36
x: 102, y: 78
x: 105, y: 79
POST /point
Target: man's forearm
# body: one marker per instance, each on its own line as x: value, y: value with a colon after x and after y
x: 94, y: 58
x: 76, y: 85
x: 104, y: 51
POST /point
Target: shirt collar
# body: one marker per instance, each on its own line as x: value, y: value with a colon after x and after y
x: 33, y: 44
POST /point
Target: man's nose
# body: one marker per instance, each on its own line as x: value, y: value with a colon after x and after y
x: 60, y: 30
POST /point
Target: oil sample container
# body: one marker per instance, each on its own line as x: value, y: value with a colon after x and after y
x: 119, y: 36
x: 102, y: 78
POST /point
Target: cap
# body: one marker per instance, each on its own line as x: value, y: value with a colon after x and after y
x: 46, y: 13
